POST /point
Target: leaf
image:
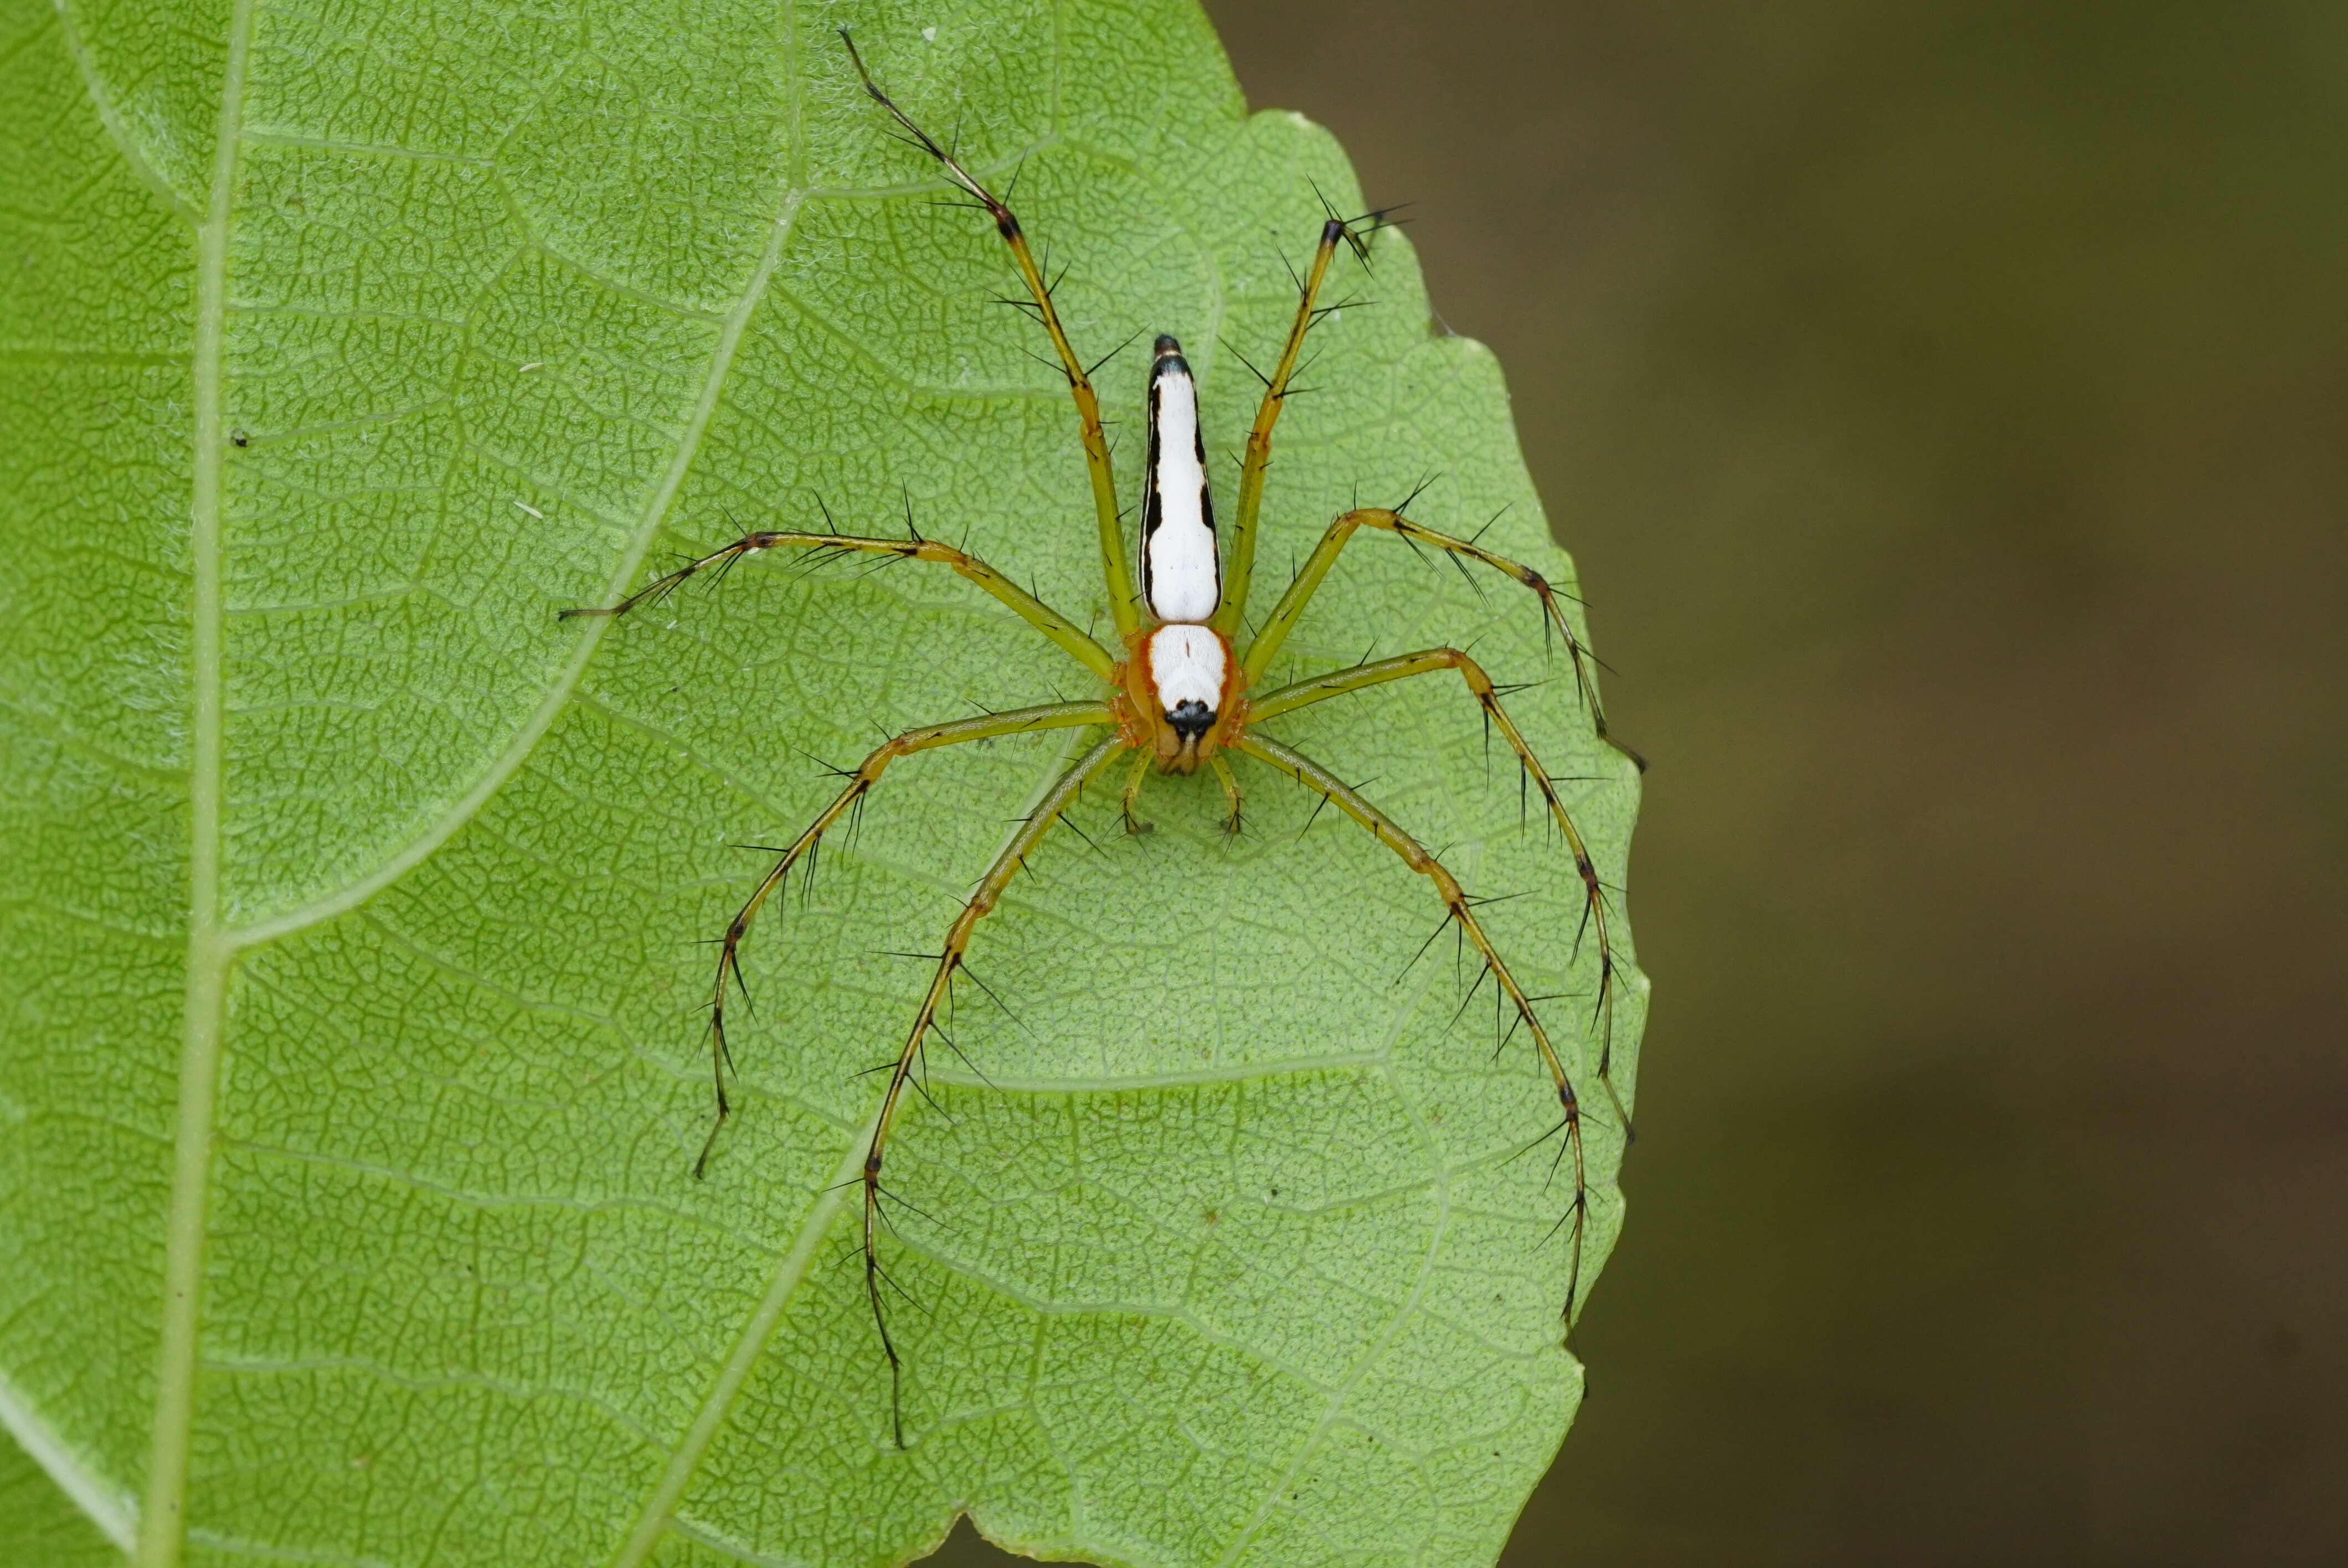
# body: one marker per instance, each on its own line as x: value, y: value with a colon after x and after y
x: 348, y: 1217
x: 40, y: 1523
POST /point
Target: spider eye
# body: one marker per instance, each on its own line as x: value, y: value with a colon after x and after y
x: 1190, y: 718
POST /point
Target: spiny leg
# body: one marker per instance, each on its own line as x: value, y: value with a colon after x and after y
x: 1018, y: 721
x: 1033, y: 610
x: 1299, y: 593
x: 1123, y: 606
x: 1594, y: 913
x: 1131, y: 796
x: 1230, y: 793
x: 1461, y: 911
x: 1142, y: 771
x: 1055, y: 801
x: 1239, y: 555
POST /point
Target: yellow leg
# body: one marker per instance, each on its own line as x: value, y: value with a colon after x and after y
x: 1330, y: 787
x: 998, y: 877
x: 1238, y: 553
x: 1033, y: 611
x: 1018, y: 721
x: 1594, y: 913
x: 1132, y: 796
x: 1122, y: 603
x: 1230, y: 793
x: 1316, y: 567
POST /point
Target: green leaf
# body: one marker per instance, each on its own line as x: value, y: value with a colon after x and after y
x: 40, y: 1524
x: 352, y: 1070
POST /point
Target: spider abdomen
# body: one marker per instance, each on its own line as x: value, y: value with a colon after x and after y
x: 1181, y: 576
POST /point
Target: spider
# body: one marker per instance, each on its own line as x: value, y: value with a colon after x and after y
x: 1177, y: 694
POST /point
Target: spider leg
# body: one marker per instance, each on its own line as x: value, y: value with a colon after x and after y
x: 1461, y: 911
x: 1132, y: 796
x: 1055, y: 801
x: 1230, y: 793
x: 1595, y: 914
x: 1300, y: 592
x: 1018, y: 721
x: 1025, y: 605
x: 1123, y: 605
x: 1238, y: 559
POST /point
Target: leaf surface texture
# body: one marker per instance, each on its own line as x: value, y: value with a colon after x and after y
x: 344, y: 346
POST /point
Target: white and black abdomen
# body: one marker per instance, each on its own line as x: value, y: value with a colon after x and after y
x: 1181, y: 578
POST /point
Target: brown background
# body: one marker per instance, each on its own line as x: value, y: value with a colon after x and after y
x: 1945, y: 402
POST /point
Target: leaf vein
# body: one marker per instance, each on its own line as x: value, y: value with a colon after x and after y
x: 444, y: 826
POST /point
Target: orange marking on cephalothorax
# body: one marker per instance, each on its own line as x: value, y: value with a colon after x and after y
x: 1141, y: 711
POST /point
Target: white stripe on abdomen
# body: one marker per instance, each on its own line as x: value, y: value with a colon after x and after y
x: 1180, y: 570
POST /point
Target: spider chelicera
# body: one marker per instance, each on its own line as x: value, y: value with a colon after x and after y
x: 1178, y: 691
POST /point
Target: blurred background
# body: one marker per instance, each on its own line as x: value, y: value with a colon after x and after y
x: 1947, y: 405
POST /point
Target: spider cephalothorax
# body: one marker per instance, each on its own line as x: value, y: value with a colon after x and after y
x: 1179, y: 696
x: 1179, y: 699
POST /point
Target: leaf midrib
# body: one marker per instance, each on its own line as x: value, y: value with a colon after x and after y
x: 204, y: 1009
x: 212, y: 944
